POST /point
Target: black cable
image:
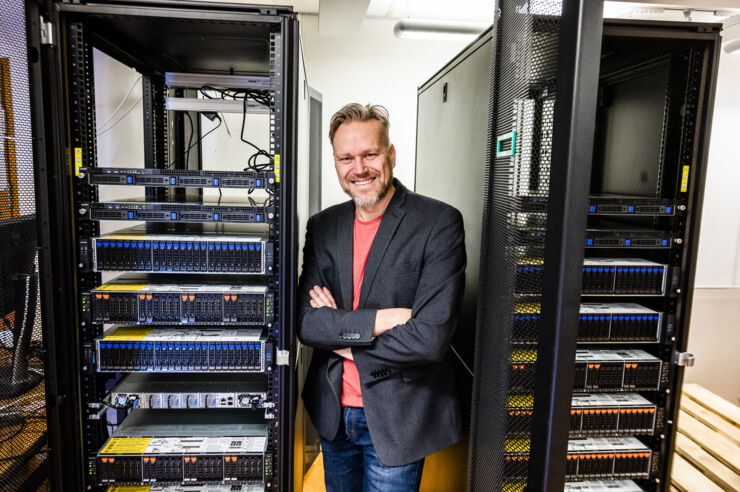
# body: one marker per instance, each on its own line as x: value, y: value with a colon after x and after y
x: 190, y: 139
x: 199, y: 140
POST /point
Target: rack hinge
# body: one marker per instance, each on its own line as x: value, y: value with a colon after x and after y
x: 685, y: 359
x: 283, y: 357
x: 47, y: 32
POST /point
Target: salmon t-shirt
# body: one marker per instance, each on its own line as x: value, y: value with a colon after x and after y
x: 364, y: 234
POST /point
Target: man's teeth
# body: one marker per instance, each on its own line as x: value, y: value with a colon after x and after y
x: 365, y: 181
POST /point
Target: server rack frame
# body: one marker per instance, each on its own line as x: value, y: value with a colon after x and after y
x: 59, y: 125
x: 690, y: 224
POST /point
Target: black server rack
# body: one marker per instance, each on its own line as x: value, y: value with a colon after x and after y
x: 588, y: 248
x: 172, y: 362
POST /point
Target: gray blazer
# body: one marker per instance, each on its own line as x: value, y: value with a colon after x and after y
x: 417, y: 261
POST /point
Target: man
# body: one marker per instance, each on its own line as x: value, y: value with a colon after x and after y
x: 382, y: 282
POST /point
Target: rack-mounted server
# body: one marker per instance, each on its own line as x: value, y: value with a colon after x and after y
x: 192, y: 446
x: 602, y: 486
x: 129, y: 349
x: 596, y: 370
x: 589, y: 458
x: 211, y: 210
x: 602, y: 276
x: 131, y: 299
x: 631, y: 206
x: 177, y: 178
x: 598, y: 323
x: 136, y: 251
x: 627, y: 237
x: 594, y: 414
x: 174, y: 391
x: 234, y: 487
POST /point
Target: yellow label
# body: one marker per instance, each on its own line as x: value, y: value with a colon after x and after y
x: 78, y: 160
x: 514, y: 487
x: 121, y: 287
x: 527, y: 308
x: 277, y: 168
x: 517, y: 446
x: 685, y: 179
x: 531, y: 261
x: 129, y: 334
x: 126, y: 445
x: 524, y: 356
x: 129, y: 488
x: 521, y: 401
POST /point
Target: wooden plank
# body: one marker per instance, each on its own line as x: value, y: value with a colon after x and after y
x: 688, y: 479
x: 707, y: 399
x: 711, y: 420
x: 713, y: 442
x: 694, y: 454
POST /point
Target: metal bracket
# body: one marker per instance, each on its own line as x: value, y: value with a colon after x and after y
x: 685, y: 359
x: 283, y: 357
x: 47, y: 32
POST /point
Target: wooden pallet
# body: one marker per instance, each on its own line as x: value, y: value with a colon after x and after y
x: 707, y: 453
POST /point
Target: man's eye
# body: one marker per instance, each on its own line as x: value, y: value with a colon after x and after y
x: 370, y: 156
x: 345, y: 159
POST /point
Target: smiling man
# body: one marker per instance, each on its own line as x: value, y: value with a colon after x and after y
x: 382, y: 282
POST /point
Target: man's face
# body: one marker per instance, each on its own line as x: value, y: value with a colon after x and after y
x: 364, y: 166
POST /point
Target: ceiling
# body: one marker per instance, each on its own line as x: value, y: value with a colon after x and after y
x: 343, y: 17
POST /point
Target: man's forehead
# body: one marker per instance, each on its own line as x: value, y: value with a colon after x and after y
x: 366, y: 133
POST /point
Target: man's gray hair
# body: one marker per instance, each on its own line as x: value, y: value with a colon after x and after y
x: 358, y: 112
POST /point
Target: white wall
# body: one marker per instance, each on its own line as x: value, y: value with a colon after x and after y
x: 372, y: 67
x: 718, y: 263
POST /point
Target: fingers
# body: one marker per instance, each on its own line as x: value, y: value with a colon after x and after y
x: 321, y: 297
x: 345, y: 352
x: 327, y: 293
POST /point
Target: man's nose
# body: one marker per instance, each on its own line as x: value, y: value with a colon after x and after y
x: 358, y: 165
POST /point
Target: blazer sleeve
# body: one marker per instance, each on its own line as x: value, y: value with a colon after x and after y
x: 425, y: 338
x: 326, y: 328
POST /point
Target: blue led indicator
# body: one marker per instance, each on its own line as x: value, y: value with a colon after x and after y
x: 173, y: 180
x: 627, y: 242
x: 259, y: 217
x: 665, y: 242
x: 630, y: 209
x: 668, y: 210
x: 589, y: 242
x: 215, y: 181
x: 592, y: 209
x: 259, y: 183
x: 130, y: 215
x: 173, y: 215
x: 216, y: 216
x: 129, y: 179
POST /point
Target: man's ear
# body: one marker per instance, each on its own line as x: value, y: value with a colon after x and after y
x: 392, y: 153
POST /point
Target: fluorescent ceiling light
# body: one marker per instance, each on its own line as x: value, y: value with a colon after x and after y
x: 438, y: 30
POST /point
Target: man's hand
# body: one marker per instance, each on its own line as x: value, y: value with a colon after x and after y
x: 321, y: 297
x: 387, y: 319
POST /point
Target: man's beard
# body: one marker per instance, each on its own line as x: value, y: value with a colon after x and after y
x: 368, y: 200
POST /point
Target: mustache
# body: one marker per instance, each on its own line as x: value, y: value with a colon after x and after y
x: 360, y: 177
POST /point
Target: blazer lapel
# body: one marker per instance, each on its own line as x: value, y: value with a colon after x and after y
x: 345, y: 241
x: 388, y: 226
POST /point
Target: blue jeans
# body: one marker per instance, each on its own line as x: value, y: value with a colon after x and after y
x: 351, y: 465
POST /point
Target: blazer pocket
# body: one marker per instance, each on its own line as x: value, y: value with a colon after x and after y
x: 402, y: 269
